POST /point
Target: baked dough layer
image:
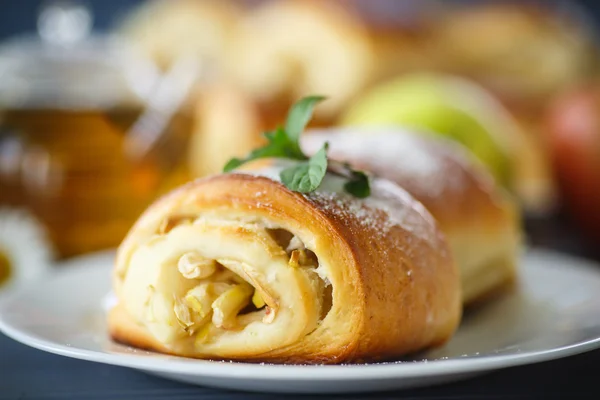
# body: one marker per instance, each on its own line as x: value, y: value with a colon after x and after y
x: 381, y: 282
x: 481, y: 222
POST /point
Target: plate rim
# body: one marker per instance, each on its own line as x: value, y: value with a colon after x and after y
x: 321, y: 373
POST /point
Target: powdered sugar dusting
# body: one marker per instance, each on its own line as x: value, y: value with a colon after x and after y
x: 387, y: 207
x: 417, y: 163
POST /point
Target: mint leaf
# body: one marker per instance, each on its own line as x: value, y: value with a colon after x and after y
x: 358, y: 185
x: 283, y: 143
x: 278, y: 146
x: 263, y: 152
x: 233, y: 164
x: 281, y: 139
x: 299, y: 115
x: 306, y: 177
x: 308, y: 173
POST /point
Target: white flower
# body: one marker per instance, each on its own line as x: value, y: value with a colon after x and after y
x: 25, y: 252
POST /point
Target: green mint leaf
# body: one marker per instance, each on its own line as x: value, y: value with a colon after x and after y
x: 283, y: 143
x: 298, y: 117
x: 233, y: 164
x: 278, y: 146
x: 306, y: 176
x: 278, y: 137
x: 288, y: 148
x: 263, y: 152
x: 358, y: 185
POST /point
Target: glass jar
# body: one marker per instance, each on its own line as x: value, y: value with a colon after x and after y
x: 90, y: 133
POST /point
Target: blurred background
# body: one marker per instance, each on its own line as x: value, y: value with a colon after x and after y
x: 105, y: 105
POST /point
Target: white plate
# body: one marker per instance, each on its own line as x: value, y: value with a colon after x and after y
x: 554, y: 313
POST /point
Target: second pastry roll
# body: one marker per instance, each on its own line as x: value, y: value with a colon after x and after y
x: 237, y: 266
x: 482, y: 223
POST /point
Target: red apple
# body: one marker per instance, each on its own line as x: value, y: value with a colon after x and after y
x: 574, y: 140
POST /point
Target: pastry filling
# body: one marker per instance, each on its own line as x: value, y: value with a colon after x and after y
x: 208, y: 284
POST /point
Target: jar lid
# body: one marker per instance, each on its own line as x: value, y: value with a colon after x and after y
x: 65, y: 66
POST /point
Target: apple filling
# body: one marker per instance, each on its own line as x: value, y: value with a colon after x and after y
x: 206, y: 285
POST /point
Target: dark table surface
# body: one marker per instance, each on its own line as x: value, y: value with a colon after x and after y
x: 26, y: 373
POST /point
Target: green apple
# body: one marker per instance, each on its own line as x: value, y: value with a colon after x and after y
x: 445, y: 105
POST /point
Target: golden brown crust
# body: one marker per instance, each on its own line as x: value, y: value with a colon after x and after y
x: 480, y: 221
x: 436, y: 172
x: 396, y: 288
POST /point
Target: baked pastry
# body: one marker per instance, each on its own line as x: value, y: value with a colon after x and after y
x: 525, y: 52
x: 480, y: 221
x: 167, y: 30
x: 398, y: 31
x: 226, y: 124
x: 237, y: 266
x: 286, y: 49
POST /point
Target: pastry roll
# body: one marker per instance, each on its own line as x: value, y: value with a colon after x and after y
x: 167, y: 30
x: 480, y: 221
x: 236, y: 266
x: 286, y: 48
x: 217, y: 136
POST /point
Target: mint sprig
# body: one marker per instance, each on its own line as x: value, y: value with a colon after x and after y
x: 358, y: 185
x: 299, y: 116
x: 278, y: 145
x: 307, y: 174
